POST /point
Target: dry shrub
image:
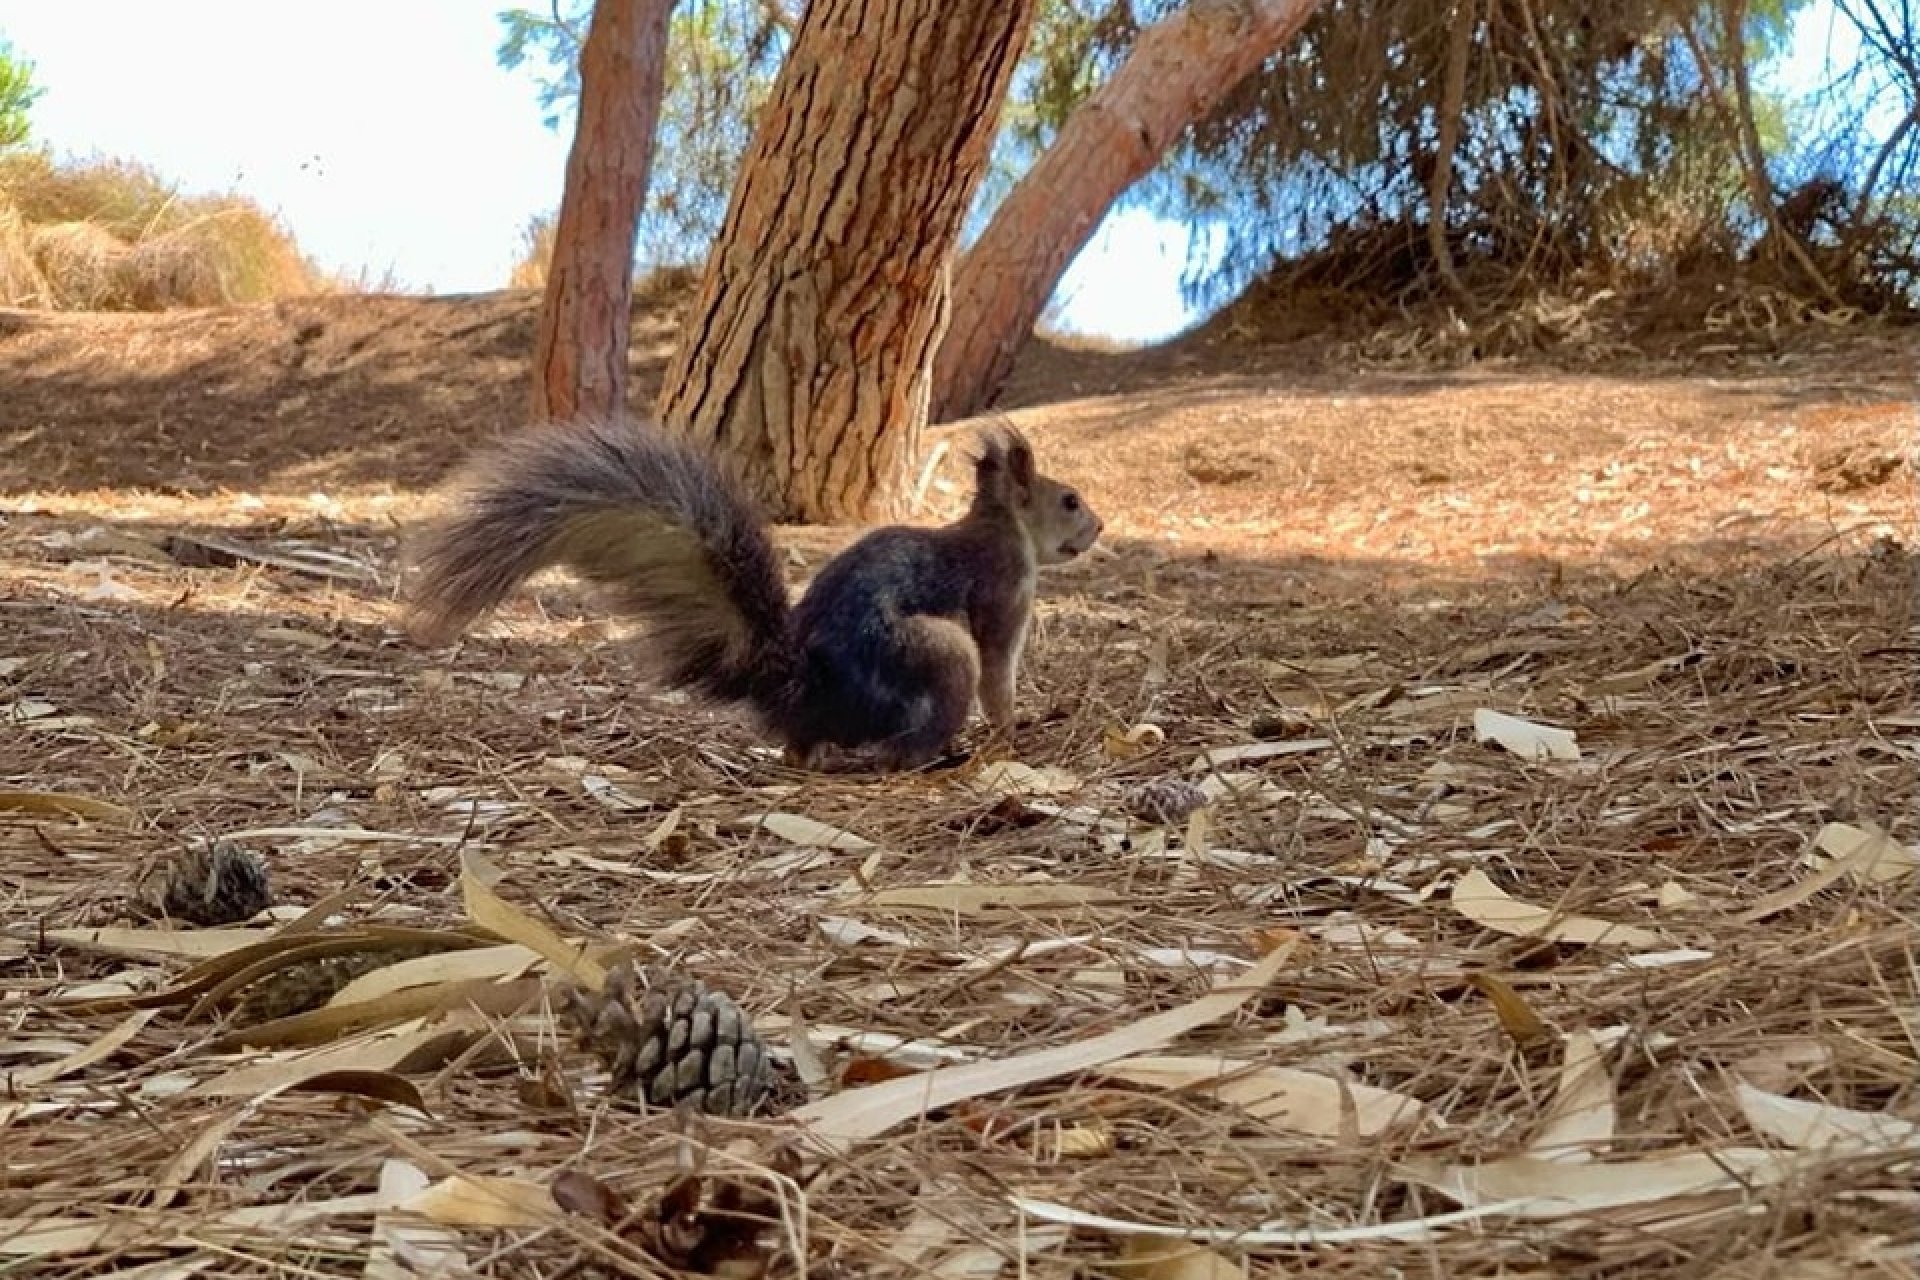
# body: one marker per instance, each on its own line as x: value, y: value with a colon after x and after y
x: 81, y: 263
x: 235, y: 254
x: 112, y: 235
x: 21, y: 283
x: 536, y: 253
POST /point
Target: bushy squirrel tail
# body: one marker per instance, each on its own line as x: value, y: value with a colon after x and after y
x: 652, y: 521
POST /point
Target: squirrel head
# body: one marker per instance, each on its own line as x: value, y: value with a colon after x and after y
x: 1056, y: 519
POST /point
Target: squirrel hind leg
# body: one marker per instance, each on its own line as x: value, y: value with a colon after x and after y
x: 940, y: 670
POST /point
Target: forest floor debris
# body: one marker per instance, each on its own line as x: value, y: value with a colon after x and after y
x: 1553, y: 908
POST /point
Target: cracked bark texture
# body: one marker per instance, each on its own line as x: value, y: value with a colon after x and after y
x: 580, y: 350
x: 807, y: 356
x: 1178, y: 70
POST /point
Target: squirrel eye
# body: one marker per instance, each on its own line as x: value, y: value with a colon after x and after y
x: 1071, y: 502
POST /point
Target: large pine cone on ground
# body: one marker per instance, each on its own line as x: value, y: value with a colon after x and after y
x: 670, y: 1040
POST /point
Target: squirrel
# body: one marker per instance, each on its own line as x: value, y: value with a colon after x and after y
x: 879, y: 662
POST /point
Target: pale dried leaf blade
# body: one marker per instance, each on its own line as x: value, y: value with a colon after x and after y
x: 1011, y: 777
x: 1160, y: 1258
x: 1864, y: 854
x: 807, y: 833
x: 469, y: 1200
x: 60, y: 802
x: 377, y: 1054
x: 470, y: 964
x: 1267, y: 1235
x: 103, y: 1046
x: 838, y: 1122
x: 496, y: 915
x: 402, y: 1249
x: 1248, y: 752
x: 1872, y: 856
x: 1579, y: 1123
x: 1524, y: 738
x: 162, y: 944
x: 1536, y: 1189
x: 1480, y: 900
x: 1796, y: 1122
x: 968, y: 899
x: 1289, y: 1098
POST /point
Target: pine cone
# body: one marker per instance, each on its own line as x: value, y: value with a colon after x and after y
x: 1165, y: 801
x: 208, y: 885
x: 669, y: 1040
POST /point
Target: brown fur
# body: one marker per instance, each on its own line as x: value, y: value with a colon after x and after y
x: 887, y: 651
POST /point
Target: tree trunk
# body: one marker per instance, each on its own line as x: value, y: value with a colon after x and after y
x: 1178, y: 71
x: 1453, y: 97
x: 808, y: 354
x: 580, y: 353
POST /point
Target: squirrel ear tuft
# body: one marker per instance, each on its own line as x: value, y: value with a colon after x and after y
x: 1003, y: 448
x: 1020, y: 462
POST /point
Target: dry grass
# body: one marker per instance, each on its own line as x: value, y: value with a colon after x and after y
x: 112, y: 235
x: 21, y: 283
x: 1736, y: 687
x: 536, y: 253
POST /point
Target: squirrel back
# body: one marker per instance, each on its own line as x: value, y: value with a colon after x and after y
x: 889, y: 647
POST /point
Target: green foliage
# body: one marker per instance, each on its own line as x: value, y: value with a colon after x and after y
x: 1598, y: 141
x: 17, y: 96
x: 722, y: 56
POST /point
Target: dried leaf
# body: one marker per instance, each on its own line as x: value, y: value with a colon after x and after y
x: 353, y: 1062
x: 1480, y: 900
x: 797, y: 829
x: 1082, y: 1141
x: 1247, y: 752
x: 1010, y: 777
x: 1286, y: 1097
x: 1133, y: 742
x: 968, y: 899
x: 1517, y: 1017
x: 583, y: 1194
x: 496, y: 915
x: 1159, y: 1258
x: 469, y: 964
x: 468, y: 1200
x: 838, y: 1122
x: 103, y: 1046
x: 1579, y: 1122
x: 1802, y: 1124
x: 60, y: 802
x: 1530, y: 1188
x: 1524, y: 738
x: 402, y: 1249
x: 1872, y: 856
x: 1268, y: 1235
x: 1674, y: 896
x: 160, y: 944
x: 330, y: 1022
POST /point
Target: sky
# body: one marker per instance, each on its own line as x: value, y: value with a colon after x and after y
x: 391, y: 142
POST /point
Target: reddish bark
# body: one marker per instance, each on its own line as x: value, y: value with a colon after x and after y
x: 1178, y: 71
x: 808, y: 353
x: 580, y: 352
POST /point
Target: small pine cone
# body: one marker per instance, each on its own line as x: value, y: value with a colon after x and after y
x: 208, y: 885
x: 671, y: 1040
x: 1165, y: 801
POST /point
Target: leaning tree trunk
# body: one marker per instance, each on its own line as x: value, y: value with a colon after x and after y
x: 580, y: 353
x: 808, y: 353
x: 1178, y: 71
